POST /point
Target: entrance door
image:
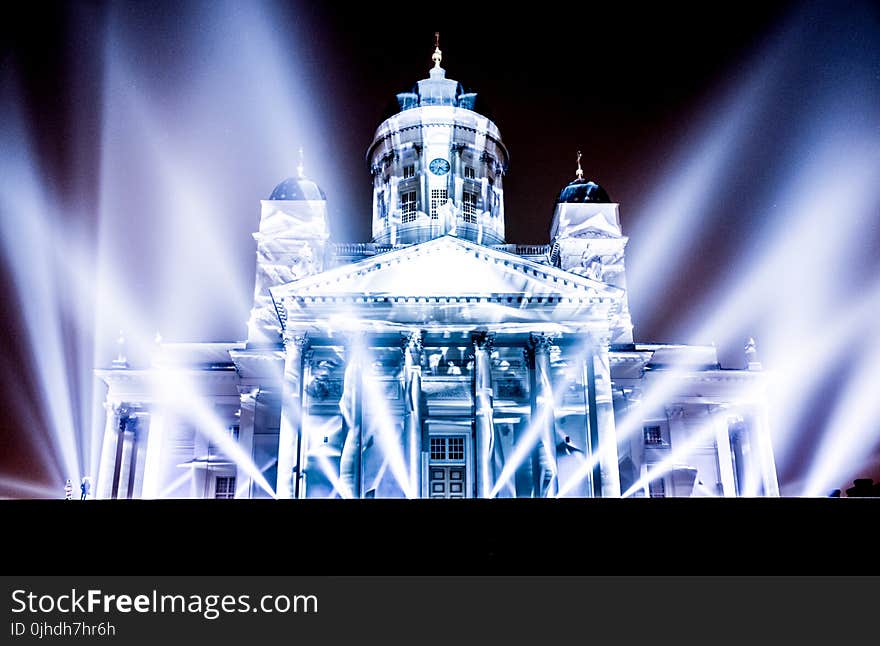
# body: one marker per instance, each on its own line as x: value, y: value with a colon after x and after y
x: 447, y: 482
x: 447, y: 467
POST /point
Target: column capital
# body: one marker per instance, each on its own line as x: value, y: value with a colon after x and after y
x: 298, y: 338
x: 412, y: 341
x: 248, y: 396
x: 112, y: 407
x: 600, y: 340
x: 540, y: 343
x: 483, y: 340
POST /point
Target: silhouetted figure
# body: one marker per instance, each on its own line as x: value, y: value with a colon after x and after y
x: 835, y: 494
x: 862, y: 488
x: 68, y: 490
x: 84, y: 488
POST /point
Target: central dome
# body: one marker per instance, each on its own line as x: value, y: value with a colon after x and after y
x: 438, y: 166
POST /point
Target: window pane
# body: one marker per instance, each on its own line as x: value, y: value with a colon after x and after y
x: 224, y: 487
x: 653, y: 435
x: 469, y: 207
x: 438, y: 199
x: 456, y: 448
x: 438, y: 448
x: 407, y: 206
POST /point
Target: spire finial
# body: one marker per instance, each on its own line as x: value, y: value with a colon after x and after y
x: 120, y: 361
x: 752, y: 354
x: 580, y: 171
x: 299, y: 168
x: 438, y: 55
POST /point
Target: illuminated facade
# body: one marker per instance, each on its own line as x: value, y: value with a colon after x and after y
x: 437, y: 360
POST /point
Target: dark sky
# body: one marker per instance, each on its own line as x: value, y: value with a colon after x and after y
x: 632, y: 85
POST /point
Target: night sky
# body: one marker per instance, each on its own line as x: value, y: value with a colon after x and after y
x: 636, y: 87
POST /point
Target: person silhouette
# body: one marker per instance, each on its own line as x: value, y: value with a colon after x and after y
x: 84, y: 488
x: 68, y: 490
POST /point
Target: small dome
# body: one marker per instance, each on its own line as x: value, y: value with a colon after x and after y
x: 297, y: 188
x: 581, y: 191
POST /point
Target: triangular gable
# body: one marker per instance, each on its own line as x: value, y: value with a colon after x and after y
x: 445, y: 266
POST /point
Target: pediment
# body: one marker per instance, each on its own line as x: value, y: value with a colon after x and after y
x: 445, y: 267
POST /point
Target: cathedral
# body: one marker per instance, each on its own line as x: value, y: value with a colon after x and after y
x: 437, y: 360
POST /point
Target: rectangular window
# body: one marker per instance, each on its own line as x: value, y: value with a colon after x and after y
x: 456, y: 448
x: 224, y: 487
x: 438, y: 199
x: 409, y: 171
x: 469, y: 172
x: 653, y: 435
x: 657, y: 488
x: 407, y: 206
x: 469, y: 207
x: 438, y: 448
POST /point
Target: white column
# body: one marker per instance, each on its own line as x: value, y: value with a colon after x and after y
x: 107, y: 466
x: 542, y: 404
x: 604, y: 399
x: 725, y: 457
x: 248, y: 405
x: 291, y: 412
x: 351, y: 460
x: 412, y: 375
x: 484, y: 423
x: 767, y: 462
x: 127, y: 437
x: 153, y: 467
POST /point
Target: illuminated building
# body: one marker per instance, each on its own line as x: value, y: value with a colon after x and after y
x: 437, y: 360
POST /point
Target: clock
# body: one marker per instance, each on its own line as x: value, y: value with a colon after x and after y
x: 439, y: 166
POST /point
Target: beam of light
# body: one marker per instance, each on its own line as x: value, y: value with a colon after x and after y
x: 319, y: 454
x: 164, y: 151
x: 179, y: 481
x: 782, y: 280
x: 676, y: 213
x: 532, y: 435
x: 796, y: 381
x: 171, y: 137
x: 184, y: 224
x: 659, y: 388
x: 12, y: 488
x: 180, y: 395
x: 28, y: 236
x: 799, y: 285
x: 853, y: 430
x: 332, y: 475
x: 678, y: 456
x: 382, y: 423
x: 243, y: 489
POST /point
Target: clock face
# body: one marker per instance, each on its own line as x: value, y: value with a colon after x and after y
x: 439, y: 166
